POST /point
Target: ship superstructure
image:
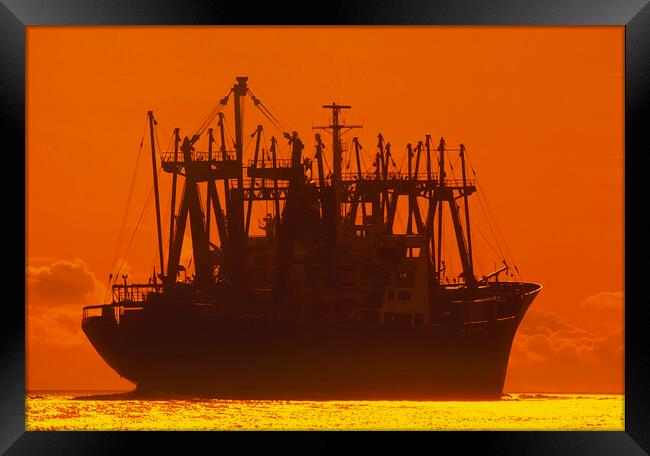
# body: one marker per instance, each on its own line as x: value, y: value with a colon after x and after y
x: 330, y: 301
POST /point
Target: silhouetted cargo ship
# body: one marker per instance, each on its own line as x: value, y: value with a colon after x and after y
x: 330, y: 302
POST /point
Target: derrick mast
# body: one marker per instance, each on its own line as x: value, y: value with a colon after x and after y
x: 236, y: 214
x: 152, y: 121
x: 337, y: 129
x: 312, y: 212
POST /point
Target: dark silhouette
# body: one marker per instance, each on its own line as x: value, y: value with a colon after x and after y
x: 330, y: 303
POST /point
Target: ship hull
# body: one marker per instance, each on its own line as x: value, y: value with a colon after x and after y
x: 265, y: 359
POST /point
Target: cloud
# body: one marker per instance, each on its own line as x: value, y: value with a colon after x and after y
x: 603, y: 312
x: 56, y: 293
x: 58, y: 354
x: 552, y: 354
x: 57, y: 327
x: 62, y: 283
x: 604, y: 300
x: 545, y: 336
x: 38, y: 261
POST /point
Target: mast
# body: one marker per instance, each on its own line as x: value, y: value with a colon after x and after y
x: 417, y: 158
x: 357, y: 147
x: 202, y: 260
x: 411, y: 196
x: 207, y: 197
x: 415, y: 208
x: 156, y: 193
x: 172, y: 215
x: 218, y: 213
x: 319, y: 160
x: 428, y: 146
x: 276, y: 197
x: 379, y: 157
x: 409, y: 149
x: 324, y: 193
x: 258, y: 132
x: 460, y: 240
x: 296, y: 155
x: 224, y: 157
x: 337, y: 153
x: 469, y: 237
x: 240, y: 89
x: 446, y: 193
x: 357, y: 199
x: 432, y: 205
x: 190, y: 207
x: 441, y: 185
x: 236, y: 234
x: 385, y: 152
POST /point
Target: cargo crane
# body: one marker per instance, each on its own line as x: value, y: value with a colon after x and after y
x: 331, y: 292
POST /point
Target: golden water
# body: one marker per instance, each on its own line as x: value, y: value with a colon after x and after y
x: 59, y: 411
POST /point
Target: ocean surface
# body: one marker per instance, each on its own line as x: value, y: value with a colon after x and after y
x: 62, y: 410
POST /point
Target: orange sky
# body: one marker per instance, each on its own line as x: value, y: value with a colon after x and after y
x: 540, y: 110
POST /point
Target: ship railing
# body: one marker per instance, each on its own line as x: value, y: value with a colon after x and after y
x: 259, y: 182
x: 402, y: 176
x: 268, y: 164
x: 134, y: 292
x: 458, y: 183
x: 114, y: 311
x: 94, y: 311
x: 198, y: 155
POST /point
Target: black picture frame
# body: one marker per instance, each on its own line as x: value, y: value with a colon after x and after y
x: 15, y: 15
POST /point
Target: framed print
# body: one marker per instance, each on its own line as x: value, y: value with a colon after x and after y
x: 372, y: 219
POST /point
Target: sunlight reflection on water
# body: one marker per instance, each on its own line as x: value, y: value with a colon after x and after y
x: 59, y: 411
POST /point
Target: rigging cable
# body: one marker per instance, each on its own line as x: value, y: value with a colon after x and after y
x: 281, y: 126
x: 229, y: 135
x: 494, y: 236
x: 284, y: 125
x: 166, y: 130
x: 510, y: 256
x: 128, y: 203
x: 128, y: 247
x: 138, y: 225
x: 160, y: 152
x: 164, y: 222
x: 489, y: 213
x: 211, y: 116
x: 475, y: 226
x: 273, y: 122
